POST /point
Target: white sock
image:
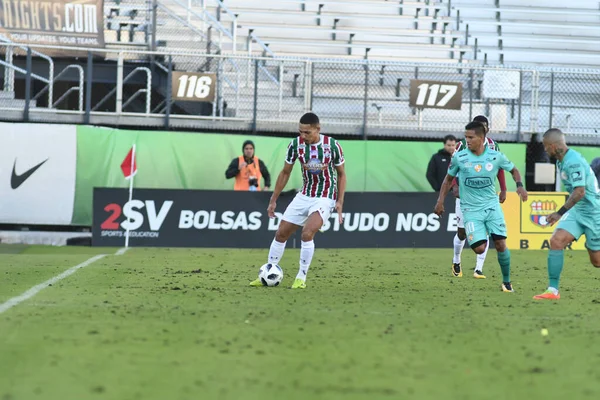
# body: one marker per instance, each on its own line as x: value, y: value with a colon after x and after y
x: 306, y: 254
x: 458, y: 248
x: 276, y: 252
x: 553, y: 290
x: 481, y: 258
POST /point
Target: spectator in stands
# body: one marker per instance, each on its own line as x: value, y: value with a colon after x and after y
x: 596, y: 168
x: 438, y: 165
x: 248, y: 170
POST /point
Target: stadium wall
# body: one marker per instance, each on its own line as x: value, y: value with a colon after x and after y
x: 78, y: 158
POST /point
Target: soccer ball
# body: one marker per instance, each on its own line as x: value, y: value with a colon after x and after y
x: 270, y: 274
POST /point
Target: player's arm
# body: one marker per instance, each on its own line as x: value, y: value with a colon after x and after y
x: 517, y: 177
x: 341, y: 190
x: 282, y: 180
x: 577, y: 194
x: 339, y: 163
x: 446, y: 185
x: 458, y: 148
x: 502, y: 181
x: 576, y: 177
x: 284, y: 176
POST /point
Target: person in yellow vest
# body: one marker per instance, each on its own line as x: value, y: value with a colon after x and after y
x: 248, y: 170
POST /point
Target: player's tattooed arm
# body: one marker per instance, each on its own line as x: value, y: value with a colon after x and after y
x: 577, y: 194
x: 282, y: 180
x: 446, y: 185
x: 520, y: 189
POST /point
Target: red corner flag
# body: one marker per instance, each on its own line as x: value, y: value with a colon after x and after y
x: 129, y: 166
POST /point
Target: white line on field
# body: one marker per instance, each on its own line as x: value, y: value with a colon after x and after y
x: 38, y: 288
x: 121, y: 251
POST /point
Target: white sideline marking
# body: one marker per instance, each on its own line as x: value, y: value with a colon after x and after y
x: 38, y: 288
x: 121, y: 251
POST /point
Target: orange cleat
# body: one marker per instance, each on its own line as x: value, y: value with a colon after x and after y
x: 547, y: 295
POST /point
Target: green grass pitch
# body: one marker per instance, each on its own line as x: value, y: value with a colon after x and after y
x: 158, y: 324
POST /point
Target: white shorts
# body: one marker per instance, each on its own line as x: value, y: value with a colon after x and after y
x: 460, y: 221
x: 302, y: 206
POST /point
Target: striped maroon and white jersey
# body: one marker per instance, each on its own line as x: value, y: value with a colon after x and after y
x: 318, y: 162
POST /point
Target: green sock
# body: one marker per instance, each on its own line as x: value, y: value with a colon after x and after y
x: 555, y: 265
x: 504, y: 261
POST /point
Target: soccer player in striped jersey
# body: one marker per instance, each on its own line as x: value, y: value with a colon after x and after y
x: 461, y: 235
x: 324, y: 184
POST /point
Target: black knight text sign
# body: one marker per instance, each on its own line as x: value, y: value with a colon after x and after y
x: 54, y: 22
x: 198, y: 218
x: 435, y: 94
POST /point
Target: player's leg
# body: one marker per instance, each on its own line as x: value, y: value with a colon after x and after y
x: 476, y: 234
x: 496, y: 226
x: 594, y: 257
x: 478, y: 273
x: 459, y: 240
x: 319, y: 212
x: 567, y: 230
x: 592, y: 240
x: 293, y: 217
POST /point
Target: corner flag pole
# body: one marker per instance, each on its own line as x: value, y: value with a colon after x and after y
x: 130, y: 191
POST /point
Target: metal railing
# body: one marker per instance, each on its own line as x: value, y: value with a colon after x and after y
x: 356, y: 97
x: 9, y: 78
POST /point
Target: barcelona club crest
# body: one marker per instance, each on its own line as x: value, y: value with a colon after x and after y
x: 540, y: 210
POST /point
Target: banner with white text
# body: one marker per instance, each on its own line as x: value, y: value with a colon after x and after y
x: 53, y: 22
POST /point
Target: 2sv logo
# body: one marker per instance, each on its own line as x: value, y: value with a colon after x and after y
x: 193, y: 87
x: 134, y: 219
x: 433, y: 94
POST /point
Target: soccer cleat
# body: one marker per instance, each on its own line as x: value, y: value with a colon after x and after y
x: 478, y: 274
x: 456, y: 270
x: 547, y: 295
x: 506, y: 287
x: 256, y: 282
x: 299, y: 284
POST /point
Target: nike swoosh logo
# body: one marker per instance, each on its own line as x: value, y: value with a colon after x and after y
x: 17, y: 180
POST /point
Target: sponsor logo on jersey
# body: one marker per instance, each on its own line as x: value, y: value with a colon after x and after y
x: 478, y: 183
x: 314, y: 166
x: 488, y: 167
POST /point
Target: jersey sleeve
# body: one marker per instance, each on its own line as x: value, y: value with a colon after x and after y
x: 459, y: 147
x: 453, y: 167
x: 576, y: 174
x: 505, y: 163
x: 338, y: 154
x: 292, y: 152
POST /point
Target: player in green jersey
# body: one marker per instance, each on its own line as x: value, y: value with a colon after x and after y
x: 477, y: 167
x: 580, y: 214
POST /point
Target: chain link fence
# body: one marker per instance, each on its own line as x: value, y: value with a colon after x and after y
x: 268, y: 94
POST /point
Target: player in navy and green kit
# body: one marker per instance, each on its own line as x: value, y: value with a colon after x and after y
x: 477, y: 167
x: 580, y: 214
